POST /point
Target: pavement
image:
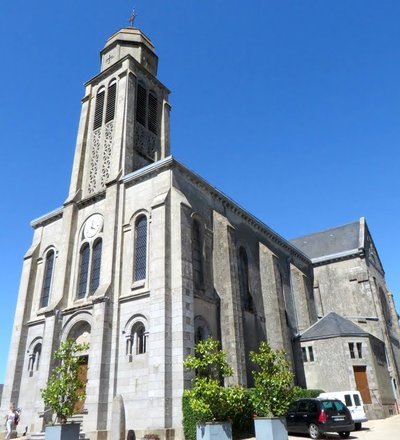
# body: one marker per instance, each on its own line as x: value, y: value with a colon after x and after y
x: 382, y: 429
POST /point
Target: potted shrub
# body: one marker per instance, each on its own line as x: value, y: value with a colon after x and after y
x: 64, y: 389
x: 272, y: 392
x: 213, y: 405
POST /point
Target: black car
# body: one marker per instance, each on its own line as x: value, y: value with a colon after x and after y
x: 318, y: 416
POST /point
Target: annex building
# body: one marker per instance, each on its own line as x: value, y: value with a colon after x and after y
x: 145, y: 257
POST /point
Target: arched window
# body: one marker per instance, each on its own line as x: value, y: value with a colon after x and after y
x: 137, y: 340
x: 245, y: 295
x: 98, y: 112
x: 96, y: 264
x: 197, y: 256
x: 140, y: 250
x: 48, y: 275
x: 34, y: 359
x: 83, y: 270
x: 111, y: 95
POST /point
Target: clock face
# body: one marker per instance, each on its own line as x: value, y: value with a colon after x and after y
x: 93, y: 225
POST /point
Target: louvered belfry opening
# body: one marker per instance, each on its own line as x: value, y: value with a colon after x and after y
x: 110, y: 109
x: 98, y: 113
x: 152, y: 114
x: 141, y: 105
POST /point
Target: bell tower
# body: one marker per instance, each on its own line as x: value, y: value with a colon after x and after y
x: 124, y: 123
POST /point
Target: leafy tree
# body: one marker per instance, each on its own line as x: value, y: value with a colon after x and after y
x: 209, y: 400
x: 273, y: 390
x: 65, y: 388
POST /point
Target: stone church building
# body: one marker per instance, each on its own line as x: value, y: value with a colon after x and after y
x: 143, y: 259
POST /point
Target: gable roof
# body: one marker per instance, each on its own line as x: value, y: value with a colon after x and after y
x: 332, y: 325
x: 332, y: 243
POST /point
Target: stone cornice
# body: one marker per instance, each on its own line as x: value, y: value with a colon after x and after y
x: 47, y: 218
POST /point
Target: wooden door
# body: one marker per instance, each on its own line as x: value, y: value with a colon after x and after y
x: 83, y: 369
x: 360, y: 375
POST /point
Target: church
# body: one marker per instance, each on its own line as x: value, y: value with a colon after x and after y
x: 143, y: 259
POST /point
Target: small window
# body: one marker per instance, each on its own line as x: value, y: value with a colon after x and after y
x: 140, y: 256
x: 351, y: 349
x: 137, y: 340
x: 304, y: 354
x: 34, y: 359
x: 347, y: 400
x: 359, y: 350
x: 310, y: 354
x: 98, y: 113
x: 48, y: 274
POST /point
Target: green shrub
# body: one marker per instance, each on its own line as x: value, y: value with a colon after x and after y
x: 189, y: 419
x: 302, y: 393
x: 65, y: 388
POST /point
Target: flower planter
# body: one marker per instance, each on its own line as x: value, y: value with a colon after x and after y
x: 69, y: 431
x: 214, y: 431
x: 270, y: 428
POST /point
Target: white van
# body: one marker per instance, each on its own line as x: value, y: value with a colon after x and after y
x: 353, y: 401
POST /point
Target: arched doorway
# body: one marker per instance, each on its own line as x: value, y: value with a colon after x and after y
x: 80, y: 333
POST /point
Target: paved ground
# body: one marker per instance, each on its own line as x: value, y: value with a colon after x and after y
x: 384, y: 429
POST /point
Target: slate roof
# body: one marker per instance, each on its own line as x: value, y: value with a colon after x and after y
x: 332, y: 325
x: 335, y: 242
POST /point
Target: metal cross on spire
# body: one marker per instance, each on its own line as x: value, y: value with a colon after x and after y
x: 132, y: 17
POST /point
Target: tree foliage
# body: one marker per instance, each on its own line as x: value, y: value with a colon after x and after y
x: 65, y: 388
x: 273, y: 390
x: 208, y: 398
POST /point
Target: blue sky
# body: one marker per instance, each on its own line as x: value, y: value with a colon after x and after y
x: 292, y: 108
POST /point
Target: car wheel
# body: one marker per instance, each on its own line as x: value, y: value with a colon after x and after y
x: 344, y: 434
x: 357, y: 426
x: 314, y: 431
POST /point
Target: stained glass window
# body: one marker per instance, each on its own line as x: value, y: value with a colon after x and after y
x: 48, y: 273
x: 197, y: 256
x: 247, y: 301
x: 83, y: 270
x: 140, y: 248
x: 96, y: 264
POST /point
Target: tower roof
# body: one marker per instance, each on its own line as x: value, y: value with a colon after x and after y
x: 129, y: 41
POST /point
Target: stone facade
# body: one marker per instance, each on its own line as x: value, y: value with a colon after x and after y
x: 349, y: 279
x: 143, y: 259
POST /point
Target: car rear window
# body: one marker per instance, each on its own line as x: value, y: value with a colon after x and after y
x: 335, y: 405
x: 347, y: 399
x: 357, y: 400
